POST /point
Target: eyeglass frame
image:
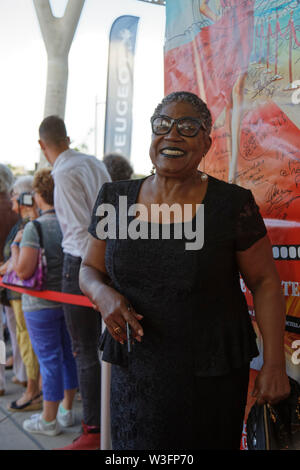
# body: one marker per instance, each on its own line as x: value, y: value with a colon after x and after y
x: 200, y: 123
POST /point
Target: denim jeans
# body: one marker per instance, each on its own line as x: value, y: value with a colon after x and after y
x: 84, y: 325
x: 52, y: 346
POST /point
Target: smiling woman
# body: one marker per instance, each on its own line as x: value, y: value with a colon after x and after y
x: 183, y: 384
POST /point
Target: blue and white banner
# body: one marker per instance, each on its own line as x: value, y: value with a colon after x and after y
x: 118, y: 118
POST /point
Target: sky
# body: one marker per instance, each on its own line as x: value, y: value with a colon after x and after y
x: 24, y: 73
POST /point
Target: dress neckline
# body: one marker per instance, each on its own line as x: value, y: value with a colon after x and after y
x: 204, y: 200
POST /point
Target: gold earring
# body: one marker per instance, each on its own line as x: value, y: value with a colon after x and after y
x: 152, y: 172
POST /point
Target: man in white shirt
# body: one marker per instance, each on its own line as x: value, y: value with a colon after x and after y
x: 78, y: 179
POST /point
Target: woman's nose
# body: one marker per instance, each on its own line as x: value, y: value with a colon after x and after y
x: 173, y: 133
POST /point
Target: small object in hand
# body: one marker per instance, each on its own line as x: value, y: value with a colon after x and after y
x: 128, y: 332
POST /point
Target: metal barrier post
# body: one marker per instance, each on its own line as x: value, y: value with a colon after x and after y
x: 105, y: 404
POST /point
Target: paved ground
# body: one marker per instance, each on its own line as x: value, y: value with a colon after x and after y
x: 12, y: 434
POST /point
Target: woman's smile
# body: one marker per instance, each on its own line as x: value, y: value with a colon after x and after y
x: 172, y: 152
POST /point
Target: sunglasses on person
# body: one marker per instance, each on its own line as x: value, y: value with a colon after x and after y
x: 186, y: 126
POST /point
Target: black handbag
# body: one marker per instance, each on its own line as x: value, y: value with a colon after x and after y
x: 276, y: 427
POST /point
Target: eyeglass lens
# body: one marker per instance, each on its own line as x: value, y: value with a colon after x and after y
x: 186, y: 127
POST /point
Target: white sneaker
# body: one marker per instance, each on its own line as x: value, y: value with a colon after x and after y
x: 65, y: 419
x: 36, y: 425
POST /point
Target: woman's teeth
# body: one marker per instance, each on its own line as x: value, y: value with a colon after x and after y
x: 172, y: 152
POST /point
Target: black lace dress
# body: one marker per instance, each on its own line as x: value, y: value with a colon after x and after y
x: 196, y: 321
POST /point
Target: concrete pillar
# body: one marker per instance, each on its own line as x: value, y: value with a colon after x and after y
x: 58, y: 34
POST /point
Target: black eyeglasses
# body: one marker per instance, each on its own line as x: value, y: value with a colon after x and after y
x: 186, y: 126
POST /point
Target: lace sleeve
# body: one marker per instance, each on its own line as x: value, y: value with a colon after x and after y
x: 101, y: 199
x: 250, y: 226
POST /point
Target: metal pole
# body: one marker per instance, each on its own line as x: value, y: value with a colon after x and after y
x: 105, y: 404
x: 96, y: 127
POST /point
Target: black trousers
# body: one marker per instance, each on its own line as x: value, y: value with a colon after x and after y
x: 84, y: 325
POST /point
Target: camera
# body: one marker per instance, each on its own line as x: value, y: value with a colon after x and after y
x: 26, y: 199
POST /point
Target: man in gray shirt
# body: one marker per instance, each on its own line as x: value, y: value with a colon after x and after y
x: 78, y: 179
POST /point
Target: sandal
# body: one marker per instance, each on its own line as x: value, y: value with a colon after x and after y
x: 28, y: 406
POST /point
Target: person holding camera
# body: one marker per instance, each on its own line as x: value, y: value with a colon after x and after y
x: 22, y: 204
x: 45, y: 318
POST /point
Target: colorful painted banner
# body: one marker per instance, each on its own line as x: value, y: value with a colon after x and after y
x: 243, y: 58
x: 118, y: 119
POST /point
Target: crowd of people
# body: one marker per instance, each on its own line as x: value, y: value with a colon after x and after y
x: 54, y: 346
x: 177, y: 329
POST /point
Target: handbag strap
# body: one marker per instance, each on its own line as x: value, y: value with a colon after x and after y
x: 39, y: 231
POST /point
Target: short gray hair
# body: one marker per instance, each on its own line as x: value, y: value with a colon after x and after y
x: 23, y: 184
x: 6, y: 178
x: 187, y: 97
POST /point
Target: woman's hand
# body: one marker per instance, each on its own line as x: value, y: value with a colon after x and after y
x: 18, y: 236
x: 271, y: 385
x: 116, y: 311
x: 257, y: 267
x: 95, y: 283
x: 3, y: 268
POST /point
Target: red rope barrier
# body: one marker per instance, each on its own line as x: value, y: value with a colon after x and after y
x: 270, y: 32
x: 260, y: 33
x: 283, y: 35
x: 54, y: 296
x: 294, y: 34
x: 289, y: 30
